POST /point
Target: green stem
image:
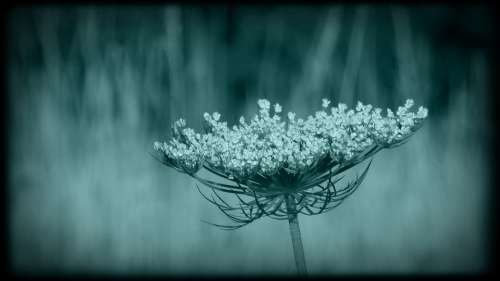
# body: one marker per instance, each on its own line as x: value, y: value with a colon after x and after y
x: 298, y: 250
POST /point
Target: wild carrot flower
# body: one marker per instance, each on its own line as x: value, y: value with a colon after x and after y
x: 282, y: 167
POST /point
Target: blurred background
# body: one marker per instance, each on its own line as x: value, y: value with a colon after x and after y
x: 92, y: 87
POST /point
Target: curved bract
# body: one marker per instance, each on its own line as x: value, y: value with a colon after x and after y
x: 267, y: 162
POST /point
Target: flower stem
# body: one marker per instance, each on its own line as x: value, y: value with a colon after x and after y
x: 298, y: 250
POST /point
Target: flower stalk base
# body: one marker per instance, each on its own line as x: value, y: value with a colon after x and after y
x: 298, y: 249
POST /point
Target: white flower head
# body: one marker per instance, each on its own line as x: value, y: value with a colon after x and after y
x: 206, y: 116
x: 359, y: 106
x: 409, y: 103
x: 277, y: 108
x: 342, y: 107
x: 390, y: 114
x: 264, y: 104
x: 325, y: 103
x: 422, y: 112
x: 157, y: 145
x: 266, y: 145
x: 180, y: 123
x: 216, y: 116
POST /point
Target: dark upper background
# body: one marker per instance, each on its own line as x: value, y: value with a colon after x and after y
x: 91, y: 87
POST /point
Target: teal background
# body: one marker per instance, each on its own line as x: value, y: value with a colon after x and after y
x: 92, y: 87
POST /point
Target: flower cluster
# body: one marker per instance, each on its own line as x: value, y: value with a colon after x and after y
x: 268, y: 143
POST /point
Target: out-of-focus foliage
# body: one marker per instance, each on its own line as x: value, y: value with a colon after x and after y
x: 91, y: 87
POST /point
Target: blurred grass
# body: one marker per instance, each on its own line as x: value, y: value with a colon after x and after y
x: 90, y: 89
